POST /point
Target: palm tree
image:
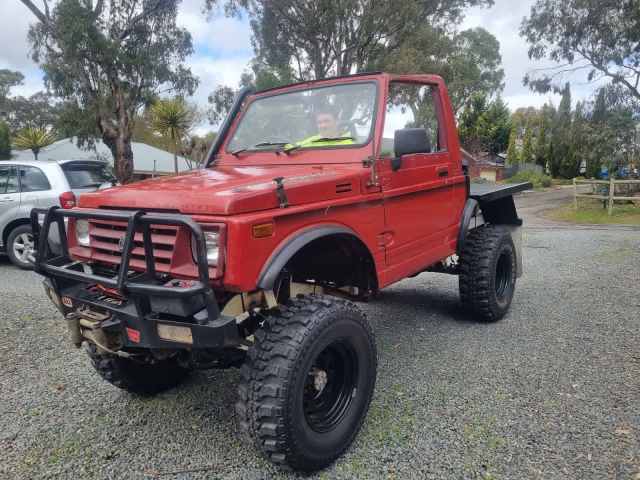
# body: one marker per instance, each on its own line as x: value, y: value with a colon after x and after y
x: 34, y: 139
x: 172, y: 119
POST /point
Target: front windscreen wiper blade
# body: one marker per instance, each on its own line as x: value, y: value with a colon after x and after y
x: 260, y: 145
x: 331, y: 139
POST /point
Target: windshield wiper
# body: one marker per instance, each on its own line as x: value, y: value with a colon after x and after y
x: 259, y: 145
x: 331, y: 139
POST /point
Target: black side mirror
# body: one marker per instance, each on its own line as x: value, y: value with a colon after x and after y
x: 409, y: 140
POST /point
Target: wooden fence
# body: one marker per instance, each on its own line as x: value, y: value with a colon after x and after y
x: 610, y: 197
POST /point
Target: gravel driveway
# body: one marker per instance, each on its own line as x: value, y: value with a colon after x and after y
x: 552, y: 391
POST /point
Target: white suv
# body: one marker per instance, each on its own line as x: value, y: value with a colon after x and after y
x: 28, y: 184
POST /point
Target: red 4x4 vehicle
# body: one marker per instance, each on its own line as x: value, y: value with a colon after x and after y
x: 314, y: 194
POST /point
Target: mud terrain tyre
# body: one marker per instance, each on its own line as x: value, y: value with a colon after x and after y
x: 135, y: 377
x: 487, y: 278
x: 307, y: 382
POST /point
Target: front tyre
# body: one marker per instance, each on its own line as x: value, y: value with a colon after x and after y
x: 135, y: 376
x: 488, y: 272
x: 307, y: 382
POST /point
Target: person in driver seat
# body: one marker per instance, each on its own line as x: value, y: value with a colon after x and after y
x: 329, y: 133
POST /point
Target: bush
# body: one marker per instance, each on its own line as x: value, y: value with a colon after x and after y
x: 538, y: 180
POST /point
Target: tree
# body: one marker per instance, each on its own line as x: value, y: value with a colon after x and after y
x: 469, y: 61
x: 5, y: 141
x: 173, y: 119
x: 594, y: 35
x: 338, y: 37
x: 542, y: 145
x: 513, y: 157
x: 109, y: 58
x: 34, y: 139
x: 467, y: 126
x: 485, y: 126
x: 39, y: 110
x: 560, y: 138
x: 196, y: 148
x: 8, y: 80
x: 527, y: 145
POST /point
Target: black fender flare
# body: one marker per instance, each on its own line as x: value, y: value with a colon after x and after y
x: 469, y: 211
x: 274, y: 265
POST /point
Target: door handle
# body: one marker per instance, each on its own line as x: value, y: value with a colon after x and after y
x: 442, y: 171
x: 6, y: 200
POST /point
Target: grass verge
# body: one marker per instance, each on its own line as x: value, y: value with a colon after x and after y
x: 591, y: 211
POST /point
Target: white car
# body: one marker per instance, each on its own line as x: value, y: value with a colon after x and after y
x: 44, y: 183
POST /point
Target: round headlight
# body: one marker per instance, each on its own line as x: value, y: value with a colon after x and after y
x: 213, y: 249
x: 82, y: 232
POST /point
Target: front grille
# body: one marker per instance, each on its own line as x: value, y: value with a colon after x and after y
x: 106, y: 239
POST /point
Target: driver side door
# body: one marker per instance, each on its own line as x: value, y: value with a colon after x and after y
x: 417, y: 195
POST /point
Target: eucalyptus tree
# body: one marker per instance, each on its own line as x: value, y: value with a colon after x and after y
x: 595, y: 36
x: 107, y: 59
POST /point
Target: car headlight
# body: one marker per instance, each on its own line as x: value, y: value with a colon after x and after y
x: 82, y: 232
x: 212, y: 240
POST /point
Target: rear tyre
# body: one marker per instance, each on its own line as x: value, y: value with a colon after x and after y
x: 487, y: 278
x: 307, y: 382
x: 20, y: 246
x: 135, y: 377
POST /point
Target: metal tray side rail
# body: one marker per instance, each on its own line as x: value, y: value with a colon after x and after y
x: 45, y: 263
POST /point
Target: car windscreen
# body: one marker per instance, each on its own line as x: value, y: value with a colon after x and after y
x: 333, y: 116
x: 86, y: 175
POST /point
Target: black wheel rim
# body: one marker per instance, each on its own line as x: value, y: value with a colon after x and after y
x: 504, y: 275
x: 329, y: 386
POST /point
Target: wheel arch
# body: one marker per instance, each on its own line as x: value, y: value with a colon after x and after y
x: 297, y: 242
x: 10, y: 226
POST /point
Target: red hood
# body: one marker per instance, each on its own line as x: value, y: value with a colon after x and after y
x: 227, y: 190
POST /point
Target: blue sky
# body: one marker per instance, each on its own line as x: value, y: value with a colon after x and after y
x: 223, y: 48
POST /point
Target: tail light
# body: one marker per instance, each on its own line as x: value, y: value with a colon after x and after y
x: 67, y: 200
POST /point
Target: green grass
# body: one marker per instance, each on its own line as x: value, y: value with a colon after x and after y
x: 591, y: 212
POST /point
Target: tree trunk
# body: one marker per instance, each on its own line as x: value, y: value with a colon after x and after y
x: 175, y: 161
x: 118, y: 139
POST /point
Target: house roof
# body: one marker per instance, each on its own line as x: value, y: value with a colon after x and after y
x: 146, y: 159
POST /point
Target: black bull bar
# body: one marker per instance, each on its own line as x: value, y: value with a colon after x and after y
x: 68, y: 277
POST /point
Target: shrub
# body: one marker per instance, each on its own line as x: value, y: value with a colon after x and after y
x: 538, y: 180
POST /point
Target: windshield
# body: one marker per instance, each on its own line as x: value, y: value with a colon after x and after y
x: 83, y: 175
x: 335, y: 116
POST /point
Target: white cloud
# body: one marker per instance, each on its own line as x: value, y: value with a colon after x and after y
x: 16, y: 18
x: 215, y: 32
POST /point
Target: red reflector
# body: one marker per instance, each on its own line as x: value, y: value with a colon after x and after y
x: 67, y: 200
x: 134, y: 335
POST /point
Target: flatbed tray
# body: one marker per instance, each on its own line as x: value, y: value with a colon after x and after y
x: 488, y: 192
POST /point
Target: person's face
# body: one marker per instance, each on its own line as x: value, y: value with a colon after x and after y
x: 327, y: 125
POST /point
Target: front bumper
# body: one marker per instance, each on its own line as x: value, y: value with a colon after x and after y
x: 145, y: 310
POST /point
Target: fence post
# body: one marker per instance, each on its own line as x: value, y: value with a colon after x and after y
x: 575, y: 194
x: 612, y: 188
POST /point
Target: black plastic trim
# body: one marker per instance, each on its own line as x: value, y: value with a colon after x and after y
x: 274, y: 266
x: 468, y: 213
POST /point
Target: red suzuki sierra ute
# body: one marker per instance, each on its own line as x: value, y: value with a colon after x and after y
x: 315, y: 195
